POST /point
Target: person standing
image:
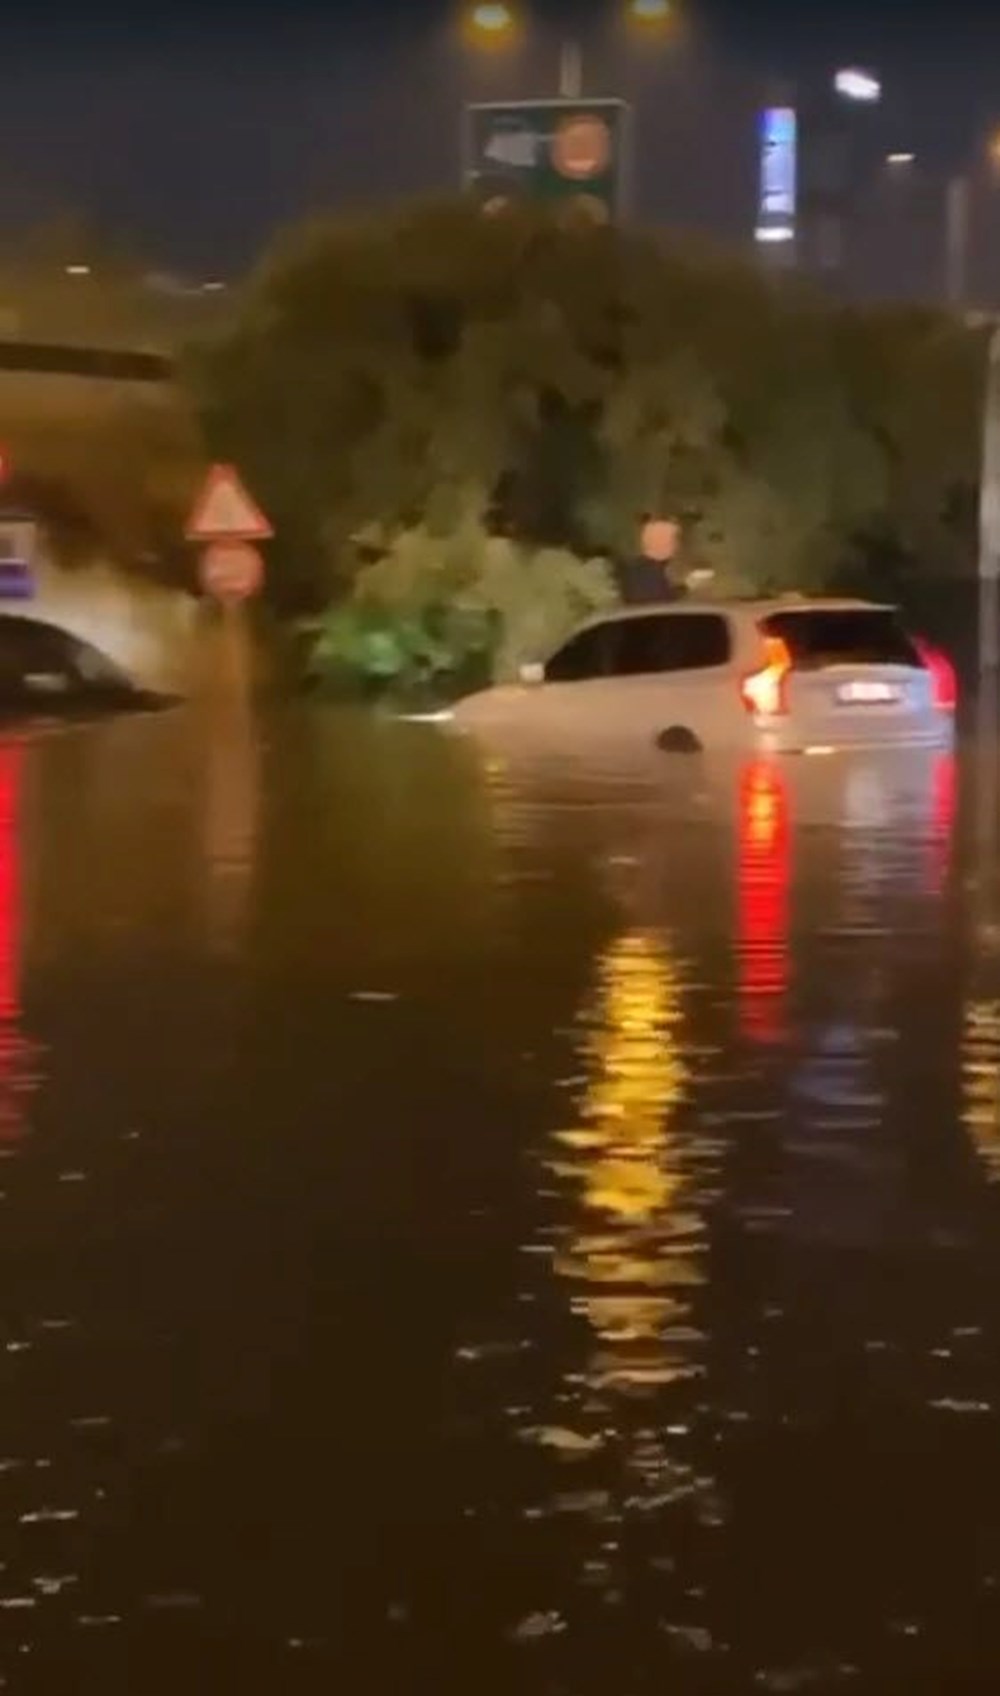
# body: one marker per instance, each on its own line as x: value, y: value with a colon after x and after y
x: 647, y: 579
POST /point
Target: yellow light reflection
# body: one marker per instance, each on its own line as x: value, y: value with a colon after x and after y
x: 981, y: 1082
x: 632, y: 1259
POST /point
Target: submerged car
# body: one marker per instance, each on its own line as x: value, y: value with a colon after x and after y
x: 775, y: 676
x: 48, y: 672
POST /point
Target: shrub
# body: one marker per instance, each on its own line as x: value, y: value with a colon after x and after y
x: 436, y: 617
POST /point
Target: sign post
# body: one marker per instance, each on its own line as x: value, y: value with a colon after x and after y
x: 989, y: 517
x: 570, y: 154
x: 227, y: 524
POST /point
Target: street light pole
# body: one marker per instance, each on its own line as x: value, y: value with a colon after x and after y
x: 496, y: 24
x: 957, y: 207
x: 825, y: 220
x: 570, y: 70
x: 989, y: 517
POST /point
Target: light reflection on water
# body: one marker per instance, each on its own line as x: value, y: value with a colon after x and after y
x: 18, y: 1059
x: 981, y: 1080
x: 632, y: 1260
x: 529, y: 1230
x: 629, y: 1247
x: 765, y: 875
x: 708, y: 1172
x: 232, y: 785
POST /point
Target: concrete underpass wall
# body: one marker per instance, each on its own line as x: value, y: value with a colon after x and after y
x: 53, y: 397
x: 149, y: 630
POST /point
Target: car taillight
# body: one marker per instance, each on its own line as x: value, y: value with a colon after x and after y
x: 763, y: 691
x: 944, y: 682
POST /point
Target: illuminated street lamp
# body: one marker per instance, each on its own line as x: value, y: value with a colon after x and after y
x: 862, y: 87
x: 650, y: 14
x: 494, y: 24
x: 490, y: 24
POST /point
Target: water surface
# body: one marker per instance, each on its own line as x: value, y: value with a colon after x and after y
x: 489, y: 1229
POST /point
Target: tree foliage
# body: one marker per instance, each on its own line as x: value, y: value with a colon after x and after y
x: 434, y: 616
x: 403, y: 391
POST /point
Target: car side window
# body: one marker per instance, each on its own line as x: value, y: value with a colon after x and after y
x: 591, y: 653
x: 30, y: 654
x: 682, y: 641
x: 51, y: 651
x: 39, y: 659
x: 89, y: 665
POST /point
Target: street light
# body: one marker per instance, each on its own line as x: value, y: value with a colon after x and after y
x: 494, y: 24
x: 651, y: 17
x: 860, y: 86
x: 491, y: 24
x: 493, y: 19
x: 650, y: 14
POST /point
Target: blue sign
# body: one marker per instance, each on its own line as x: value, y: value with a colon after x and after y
x: 16, y: 580
x: 778, y: 171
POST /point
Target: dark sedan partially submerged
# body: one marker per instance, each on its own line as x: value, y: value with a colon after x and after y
x: 47, y: 672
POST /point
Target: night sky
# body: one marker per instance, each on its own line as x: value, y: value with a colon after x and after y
x: 195, y: 129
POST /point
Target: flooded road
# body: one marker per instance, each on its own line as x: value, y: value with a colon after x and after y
x: 487, y: 1230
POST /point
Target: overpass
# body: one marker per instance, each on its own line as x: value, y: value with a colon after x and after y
x: 62, y: 359
x: 46, y: 385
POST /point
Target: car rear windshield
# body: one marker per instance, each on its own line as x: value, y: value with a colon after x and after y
x: 818, y: 637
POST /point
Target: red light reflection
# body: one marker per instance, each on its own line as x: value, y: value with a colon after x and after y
x: 764, y: 878
x: 944, y: 804
x: 16, y: 1079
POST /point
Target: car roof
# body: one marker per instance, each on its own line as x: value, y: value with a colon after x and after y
x: 28, y: 621
x: 749, y: 608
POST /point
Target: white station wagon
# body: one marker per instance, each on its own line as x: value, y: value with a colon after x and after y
x: 789, y: 675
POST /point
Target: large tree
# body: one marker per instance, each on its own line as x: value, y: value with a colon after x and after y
x: 437, y: 369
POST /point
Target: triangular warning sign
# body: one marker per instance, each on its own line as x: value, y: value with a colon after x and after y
x: 225, y: 511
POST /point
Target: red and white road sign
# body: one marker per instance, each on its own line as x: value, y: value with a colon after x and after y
x: 225, y: 511
x: 231, y: 571
x: 581, y: 147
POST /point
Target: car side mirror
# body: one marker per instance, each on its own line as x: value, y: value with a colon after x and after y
x: 531, y: 674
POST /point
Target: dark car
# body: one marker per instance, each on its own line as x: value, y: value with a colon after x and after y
x: 49, y: 672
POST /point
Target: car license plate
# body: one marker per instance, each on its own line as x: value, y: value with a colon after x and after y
x: 866, y: 692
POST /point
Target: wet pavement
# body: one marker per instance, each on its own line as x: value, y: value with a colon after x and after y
x: 495, y: 1230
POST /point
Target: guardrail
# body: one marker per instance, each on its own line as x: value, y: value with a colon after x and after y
x: 54, y: 359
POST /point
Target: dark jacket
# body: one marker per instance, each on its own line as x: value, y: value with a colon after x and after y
x: 645, y: 582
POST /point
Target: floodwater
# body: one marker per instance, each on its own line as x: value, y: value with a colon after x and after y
x: 479, y: 1229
